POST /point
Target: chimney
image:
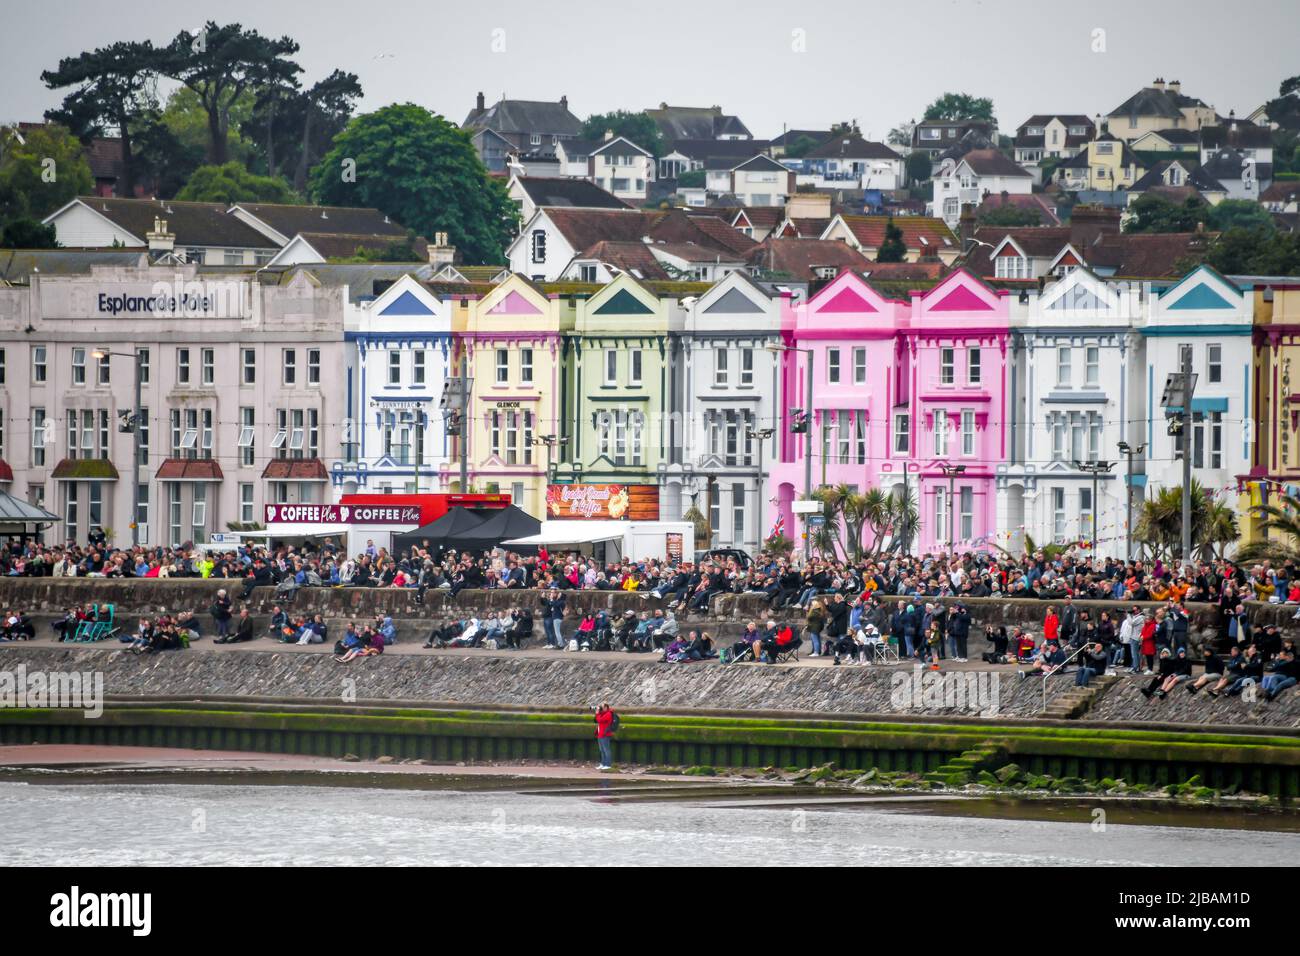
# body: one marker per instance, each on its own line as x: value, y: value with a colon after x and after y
x: 564, y: 102
x: 966, y: 225
x: 441, y: 252
x: 479, y: 104
x: 609, y: 134
x: 1159, y: 83
x: 1175, y: 86
x: 160, y: 240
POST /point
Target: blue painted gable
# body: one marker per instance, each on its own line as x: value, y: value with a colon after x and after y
x: 406, y: 304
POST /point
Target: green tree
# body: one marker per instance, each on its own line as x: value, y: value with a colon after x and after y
x: 112, y: 84
x: 918, y: 167
x: 1159, y: 524
x: 186, y: 119
x: 28, y: 234
x: 293, y: 128
x: 45, y: 171
x: 233, y: 183
x: 962, y: 106
x: 1259, y: 252
x: 221, y: 64
x: 1150, y: 213
x: 893, y: 249
x: 800, y: 146
x: 635, y: 127
x: 1239, y: 214
x: 1285, y: 109
x: 1281, y: 527
x: 423, y: 172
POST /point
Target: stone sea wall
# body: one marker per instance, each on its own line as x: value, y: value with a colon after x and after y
x: 568, y: 681
x: 727, y: 615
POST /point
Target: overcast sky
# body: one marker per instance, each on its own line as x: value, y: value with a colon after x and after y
x: 879, y: 63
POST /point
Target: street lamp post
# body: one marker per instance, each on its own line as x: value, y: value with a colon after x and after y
x: 1179, y: 389
x: 952, y: 471
x: 807, y: 433
x: 1129, y: 451
x: 1094, y: 468
x: 135, y: 444
x: 762, y: 434
x: 551, y: 442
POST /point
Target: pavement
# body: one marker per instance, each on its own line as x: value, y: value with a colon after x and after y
x: 412, y: 646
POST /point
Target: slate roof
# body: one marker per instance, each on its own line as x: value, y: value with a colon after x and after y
x: 1178, y: 137
x: 1197, y: 177
x: 1236, y: 135
x: 193, y: 223
x: 16, y: 265
x: 695, y: 122
x: 1280, y: 190
x: 551, y: 192
x: 760, y: 162
x: 342, y: 246
x: 800, y: 257
x: 1226, y: 165
x: 718, y: 153
x: 723, y: 234
x: 526, y: 116
x: 761, y: 217
x: 851, y: 146
x: 790, y: 136
x: 15, y: 510
x: 290, y: 220
x: 992, y: 162
x: 1150, y: 101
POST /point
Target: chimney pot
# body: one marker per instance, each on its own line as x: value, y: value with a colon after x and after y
x: 564, y: 101
x: 480, y: 105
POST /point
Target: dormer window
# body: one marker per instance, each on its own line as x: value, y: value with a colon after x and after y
x: 536, y: 139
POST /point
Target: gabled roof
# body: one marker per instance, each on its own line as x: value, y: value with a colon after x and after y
x: 1197, y: 177
x: 583, y: 228
x: 1237, y: 135
x: 1150, y: 101
x: 321, y: 220
x: 695, y: 122
x: 550, y: 192
x: 791, y: 136
x: 608, y: 143
x: 634, y: 258
x: 1030, y: 201
x: 993, y: 162
x: 1066, y: 119
x: 1174, y: 137
x: 575, y: 147
x: 851, y: 146
x: 192, y: 223
x: 526, y: 116
x: 1229, y: 164
x: 1281, y: 190
x: 718, y: 153
x: 760, y: 217
x: 1147, y: 255
x: 800, y: 258
x: 758, y: 163
x: 869, y: 231
x: 723, y: 234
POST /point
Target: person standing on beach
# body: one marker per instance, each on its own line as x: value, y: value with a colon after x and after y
x: 605, y: 736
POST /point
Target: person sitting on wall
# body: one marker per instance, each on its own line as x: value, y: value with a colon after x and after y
x: 1050, y: 660
x: 1174, y: 668
x: 521, y: 628
x: 1092, y: 661
x: 1242, y: 666
x: 279, y: 621
x: 1283, y: 673
x: 1215, y: 667
x: 66, y: 626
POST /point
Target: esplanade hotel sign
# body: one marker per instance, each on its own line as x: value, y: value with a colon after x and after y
x: 163, y: 297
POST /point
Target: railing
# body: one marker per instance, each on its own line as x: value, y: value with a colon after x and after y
x: 1065, y: 663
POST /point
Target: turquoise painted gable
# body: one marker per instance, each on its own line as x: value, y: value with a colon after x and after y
x: 406, y: 304
x: 624, y: 303
x: 1201, y: 297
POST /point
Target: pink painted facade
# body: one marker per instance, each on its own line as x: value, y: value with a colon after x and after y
x: 900, y: 388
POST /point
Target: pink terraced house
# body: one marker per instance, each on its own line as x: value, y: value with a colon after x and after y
x: 900, y: 390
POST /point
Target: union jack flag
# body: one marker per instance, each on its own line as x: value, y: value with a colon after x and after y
x: 778, y: 528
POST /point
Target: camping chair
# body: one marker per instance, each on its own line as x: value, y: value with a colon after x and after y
x: 881, y: 652
x: 790, y: 653
x: 101, y: 628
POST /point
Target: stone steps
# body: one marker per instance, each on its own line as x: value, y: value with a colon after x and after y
x: 1077, y: 701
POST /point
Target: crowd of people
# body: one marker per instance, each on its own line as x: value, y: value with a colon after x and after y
x: 854, y: 611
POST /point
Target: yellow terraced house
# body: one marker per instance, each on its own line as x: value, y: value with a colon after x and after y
x: 512, y: 342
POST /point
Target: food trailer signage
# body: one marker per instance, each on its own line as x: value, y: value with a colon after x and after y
x: 343, y: 514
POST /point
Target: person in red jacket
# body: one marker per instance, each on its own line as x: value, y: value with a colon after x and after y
x: 1051, y: 625
x: 605, y: 736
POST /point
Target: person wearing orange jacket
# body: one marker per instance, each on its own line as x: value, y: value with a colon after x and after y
x: 605, y: 736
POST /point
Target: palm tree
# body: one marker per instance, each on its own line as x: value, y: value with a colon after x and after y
x: 1217, y: 531
x: 1159, y: 526
x: 1281, y: 528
